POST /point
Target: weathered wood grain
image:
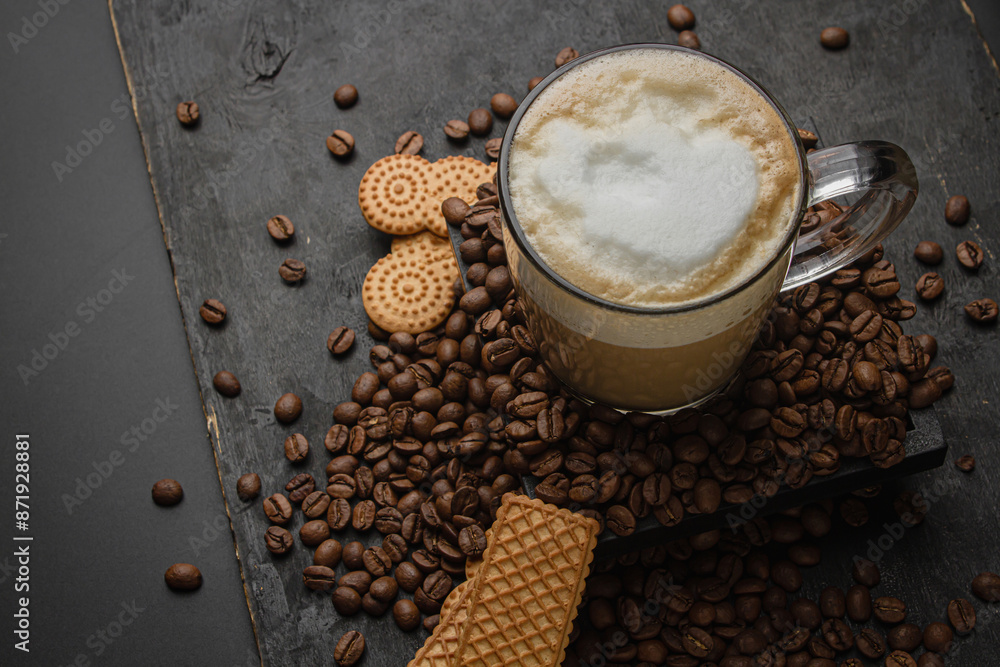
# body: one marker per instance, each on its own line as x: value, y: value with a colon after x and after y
x: 916, y: 73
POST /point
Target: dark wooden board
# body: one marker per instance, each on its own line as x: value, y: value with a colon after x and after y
x: 917, y: 73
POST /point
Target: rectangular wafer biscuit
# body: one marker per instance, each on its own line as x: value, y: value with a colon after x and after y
x: 524, y: 596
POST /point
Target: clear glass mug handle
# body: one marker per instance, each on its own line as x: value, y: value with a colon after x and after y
x: 827, y: 242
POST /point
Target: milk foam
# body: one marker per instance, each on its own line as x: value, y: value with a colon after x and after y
x: 652, y: 178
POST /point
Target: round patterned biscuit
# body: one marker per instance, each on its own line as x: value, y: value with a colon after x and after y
x: 394, y: 195
x: 405, y: 292
x: 455, y: 176
x: 433, y: 247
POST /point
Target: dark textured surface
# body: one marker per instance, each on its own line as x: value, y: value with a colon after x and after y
x: 928, y: 86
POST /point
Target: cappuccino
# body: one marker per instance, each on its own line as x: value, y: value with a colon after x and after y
x: 654, y: 178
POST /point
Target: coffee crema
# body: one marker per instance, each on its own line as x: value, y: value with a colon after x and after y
x: 653, y: 178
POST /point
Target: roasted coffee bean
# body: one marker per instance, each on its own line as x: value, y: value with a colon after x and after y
x: 278, y: 509
x: 292, y: 270
x: 388, y: 520
x: 493, y: 146
x: 866, y: 573
x: 359, y: 580
x: 363, y: 515
x: 456, y: 129
x: 212, y: 311
x: 809, y: 139
x: 287, y: 408
x: 278, y: 540
x: 406, y: 615
x: 620, y: 520
x: 870, y: 643
x: 837, y: 634
x: 183, y: 577
x: 300, y: 487
x: 296, y: 448
x: 340, y: 143
x: 454, y: 210
x: 345, y: 96
x: 503, y: 105
x: 688, y: 39
x: 966, y: 463
x: 319, y: 578
x: 904, y: 637
x: 680, y: 17
x: 340, y: 340
x: 408, y: 576
x: 534, y: 81
x: 565, y: 55
x: 226, y: 383
x: 436, y: 585
x: 188, y: 113
x: 832, y: 602
x: 280, y: 228
x: 962, y: 615
x: 980, y: 310
x: 929, y: 252
x: 338, y: 514
x: 859, y: 604
x: 328, y: 553
x: 349, y: 649
x: 167, y: 492
x: 248, y: 486
x: 376, y: 561
x: 970, y: 255
x: 472, y: 541
x: 956, y: 210
x: 384, y: 589
x: 834, y: 38
x: 889, y: 610
x: 346, y: 601
x: 938, y: 637
x: 900, y: 659
x: 986, y: 587
x: 341, y: 485
x: 312, y: 533
x: 480, y: 121
x: 409, y: 143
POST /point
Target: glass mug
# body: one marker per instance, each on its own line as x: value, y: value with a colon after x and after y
x: 664, y: 359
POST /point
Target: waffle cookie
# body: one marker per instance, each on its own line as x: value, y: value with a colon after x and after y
x: 518, y: 607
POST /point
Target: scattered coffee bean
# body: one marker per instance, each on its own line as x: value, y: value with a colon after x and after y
x: 905, y: 637
x: 167, y: 492
x: 493, y: 148
x: 292, y: 270
x: 688, y: 39
x: 982, y: 310
x: 808, y: 139
x: 480, y: 121
x: 212, y: 311
x: 986, y: 587
x: 346, y: 601
x: 834, y: 38
x: 866, y: 573
x: 278, y: 540
x: 280, y: 228
x: 319, y: 578
x: 900, y: 659
x: 287, y: 408
x: 340, y: 340
x: 962, y: 615
x: 278, y: 509
x: 345, y: 96
x: 183, y: 577
x: 938, y: 637
x: 188, y: 113
x: 328, y: 553
x: 313, y: 533
x: 966, y: 463
x: 296, y: 448
x: 566, y: 55
x: 340, y: 143
x: 408, y: 576
x: 929, y: 252
x: 970, y: 255
x: 870, y: 643
x: 620, y: 520
x: 956, y: 210
x: 455, y: 210
x: 859, y: 603
x: 680, y: 17
x: 503, y: 105
x: 930, y: 286
x: 248, y: 486
x: 409, y: 143
x: 353, y: 556
x: 226, y: 383
x: 457, y: 129
x: 534, y: 81
x: 384, y: 589
x: 406, y: 615
x: 349, y: 649
x: 889, y: 610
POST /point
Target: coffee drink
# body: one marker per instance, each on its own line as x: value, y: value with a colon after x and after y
x: 652, y: 181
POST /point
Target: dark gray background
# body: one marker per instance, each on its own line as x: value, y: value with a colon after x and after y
x: 60, y: 243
